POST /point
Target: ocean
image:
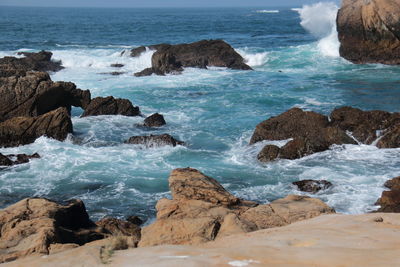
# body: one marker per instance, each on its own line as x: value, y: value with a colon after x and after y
x: 294, y: 53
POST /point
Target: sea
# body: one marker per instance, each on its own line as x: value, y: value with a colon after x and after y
x: 294, y: 52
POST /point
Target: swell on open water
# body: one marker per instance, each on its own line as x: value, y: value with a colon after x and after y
x: 294, y: 53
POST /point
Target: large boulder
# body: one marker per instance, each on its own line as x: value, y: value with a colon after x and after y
x: 369, y: 31
x: 154, y: 140
x: 31, y: 225
x: 154, y: 120
x: 312, y: 186
x: 35, y: 94
x: 110, y: 106
x: 311, y: 132
x: 41, y: 61
x: 202, y: 210
x: 17, y: 131
x: 173, y: 58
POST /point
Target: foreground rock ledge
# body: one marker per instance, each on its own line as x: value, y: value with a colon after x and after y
x: 202, y: 210
x: 369, y: 31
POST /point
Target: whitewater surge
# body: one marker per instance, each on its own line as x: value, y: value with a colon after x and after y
x: 320, y: 20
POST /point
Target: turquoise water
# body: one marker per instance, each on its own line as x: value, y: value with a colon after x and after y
x: 214, y: 111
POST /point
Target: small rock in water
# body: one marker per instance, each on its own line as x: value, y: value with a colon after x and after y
x: 117, y: 65
x: 312, y: 186
x: 154, y: 140
x: 155, y: 120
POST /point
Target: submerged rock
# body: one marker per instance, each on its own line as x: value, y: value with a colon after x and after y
x: 154, y: 140
x: 31, y: 225
x: 312, y: 186
x: 41, y: 61
x: 369, y: 31
x: 117, y: 65
x: 17, y: 131
x: 34, y: 94
x: 268, y: 153
x: 173, y: 58
x: 9, y: 160
x: 202, y: 210
x: 154, y: 120
x: 110, y: 106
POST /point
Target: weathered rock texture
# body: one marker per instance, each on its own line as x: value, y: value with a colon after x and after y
x: 202, y: 210
x: 25, y: 130
x: 369, y: 31
x: 35, y: 94
x: 41, y: 61
x: 173, y: 58
x: 390, y: 200
x: 154, y: 120
x: 32, y: 225
x: 312, y: 132
x: 110, y: 106
x: 154, y: 140
x: 9, y: 160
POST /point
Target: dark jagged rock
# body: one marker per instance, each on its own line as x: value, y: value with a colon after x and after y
x: 363, y: 124
x: 393, y: 184
x: 268, y: 153
x: 117, y: 65
x: 139, y: 50
x: 154, y: 140
x: 25, y: 130
x: 369, y: 31
x: 41, y: 61
x: 312, y: 186
x: 35, y: 94
x: 118, y: 227
x: 311, y: 133
x: 173, y: 58
x: 32, y: 225
x: 9, y: 160
x: 154, y: 120
x: 110, y: 106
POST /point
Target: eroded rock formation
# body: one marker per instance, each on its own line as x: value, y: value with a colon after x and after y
x: 110, y: 106
x: 202, y: 210
x: 154, y: 140
x: 11, y: 159
x: 390, y: 199
x: 369, y: 31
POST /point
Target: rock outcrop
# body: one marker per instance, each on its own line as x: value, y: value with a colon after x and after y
x: 117, y: 227
x: 41, y: 61
x: 35, y: 94
x: 309, y: 132
x: 390, y: 199
x: 110, y: 106
x: 369, y: 31
x: 154, y: 140
x: 10, y: 160
x: 173, y: 58
x: 312, y: 186
x: 32, y: 225
x: 154, y: 120
x: 202, y: 210
x: 25, y: 130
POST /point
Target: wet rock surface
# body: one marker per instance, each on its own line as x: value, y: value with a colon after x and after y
x: 309, y: 132
x: 369, y: 31
x: 17, y: 131
x: 390, y: 199
x: 12, y: 159
x: 110, y: 106
x: 312, y: 186
x: 173, y: 58
x: 154, y: 140
x: 154, y: 120
x: 35, y: 94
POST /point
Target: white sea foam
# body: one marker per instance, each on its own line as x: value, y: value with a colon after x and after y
x: 320, y: 20
x: 267, y: 11
x: 253, y: 59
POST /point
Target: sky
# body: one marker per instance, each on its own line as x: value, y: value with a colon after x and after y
x: 158, y: 3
